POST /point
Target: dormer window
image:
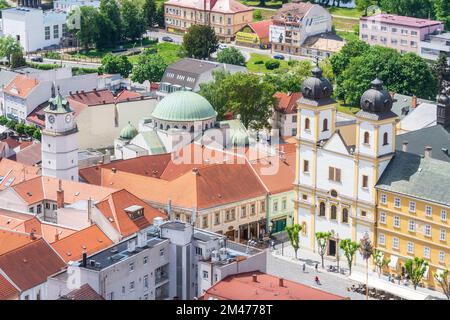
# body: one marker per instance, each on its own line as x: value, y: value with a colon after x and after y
x: 135, y: 212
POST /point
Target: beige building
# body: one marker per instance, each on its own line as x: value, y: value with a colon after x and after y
x: 227, y: 17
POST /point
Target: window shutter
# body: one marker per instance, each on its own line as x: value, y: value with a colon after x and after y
x: 338, y: 175
x: 330, y: 173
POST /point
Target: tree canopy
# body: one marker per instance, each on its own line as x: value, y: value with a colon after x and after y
x: 9, y: 47
x: 149, y: 11
x: 149, y: 67
x: 200, y: 41
x: 133, y: 20
x: 231, y: 55
x: 116, y: 64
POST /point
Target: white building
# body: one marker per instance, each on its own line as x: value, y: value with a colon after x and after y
x: 435, y: 44
x: 59, y: 140
x: 68, y: 5
x: 34, y: 28
x: 337, y: 169
x: 164, y: 261
x: 294, y: 23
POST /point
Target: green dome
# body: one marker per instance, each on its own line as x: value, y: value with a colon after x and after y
x: 183, y: 106
x: 128, y: 132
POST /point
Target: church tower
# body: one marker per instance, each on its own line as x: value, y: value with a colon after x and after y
x: 59, y: 140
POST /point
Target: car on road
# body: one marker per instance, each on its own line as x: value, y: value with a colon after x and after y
x: 222, y: 46
x: 37, y: 59
x: 278, y: 56
x: 167, y: 39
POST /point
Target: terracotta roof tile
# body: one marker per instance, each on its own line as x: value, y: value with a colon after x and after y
x: 242, y: 287
x: 85, y: 292
x: 92, y: 239
x: 261, y: 28
x: 15, y: 172
x: 31, y: 264
x: 7, y: 290
x: 11, y: 142
x: 21, y: 86
x: 10, y: 240
x: 287, y: 102
x: 28, y: 154
x: 13, y: 220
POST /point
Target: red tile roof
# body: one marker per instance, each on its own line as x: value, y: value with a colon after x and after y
x: 402, y: 20
x: 29, y: 154
x: 85, y: 292
x: 91, y: 239
x: 261, y: 28
x: 12, y: 143
x: 287, y: 102
x: 31, y: 264
x: 10, y: 240
x: 16, y: 172
x: 7, y: 289
x: 113, y: 208
x: 21, y: 86
x: 242, y: 287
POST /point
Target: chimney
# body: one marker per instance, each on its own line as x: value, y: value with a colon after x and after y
x: 414, y: 102
x: 428, y: 152
x: 56, y: 235
x: 114, y: 170
x: 195, y: 171
x: 405, y: 146
x: 32, y: 236
x: 255, y: 278
x: 60, y: 196
x: 84, y: 259
x: 281, y: 282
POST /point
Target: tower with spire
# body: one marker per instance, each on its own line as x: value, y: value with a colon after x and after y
x: 59, y: 139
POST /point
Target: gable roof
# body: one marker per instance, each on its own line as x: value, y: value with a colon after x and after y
x: 261, y: 28
x: 296, y: 9
x: 28, y: 155
x: 287, y: 102
x: 337, y: 135
x: 31, y: 264
x: 85, y: 292
x: 21, y: 86
x: 421, y: 177
x: 91, y: 239
x: 113, y: 208
x: 267, y: 287
x: 12, y: 172
x: 10, y: 240
x: 7, y: 289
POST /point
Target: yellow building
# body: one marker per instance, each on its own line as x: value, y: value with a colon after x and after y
x: 413, y: 207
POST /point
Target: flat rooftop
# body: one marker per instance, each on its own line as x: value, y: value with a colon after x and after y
x: 402, y: 20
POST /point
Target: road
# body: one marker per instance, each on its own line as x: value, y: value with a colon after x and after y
x: 65, y: 63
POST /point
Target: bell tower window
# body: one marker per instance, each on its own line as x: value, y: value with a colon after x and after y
x: 322, y: 209
x: 307, y: 127
x: 366, y: 138
x: 325, y: 125
x: 385, y: 139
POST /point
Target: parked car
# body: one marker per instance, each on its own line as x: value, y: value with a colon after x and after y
x: 37, y: 59
x: 167, y: 39
x: 278, y: 56
x: 222, y: 46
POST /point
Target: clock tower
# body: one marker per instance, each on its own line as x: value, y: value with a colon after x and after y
x: 59, y: 140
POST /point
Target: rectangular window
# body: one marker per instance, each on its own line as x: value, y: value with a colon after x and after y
x: 145, y: 260
x: 275, y: 206
x: 397, y: 203
x: 365, y: 181
x: 47, y: 33
x: 55, y: 31
x: 443, y: 215
x: 364, y: 213
x: 253, y: 209
x: 305, y: 166
x: 131, y: 267
x: 442, y: 235
x: 395, y: 243
x: 65, y: 30
x: 198, y: 251
x: 334, y: 174
x: 54, y: 207
x: 205, y: 222
x: 263, y: 206
x: 205, y: 274
x: 39, y: 208
x: 414, y: 33
x: 294, y: 119
x: 427, y: 230
x: 394, y: 30
x: 131, y: 285
x: 428, y: 211
x: 382, y: 217
x: 111, y: 296
x: 283, y: 204
x: 381, y: 239
x: 243, y: 212
x: 145, y: 282
x: 410, y: 247
x: 161, y: 252
x: 217, y: 218
x: 397, y: 221
x: 412, y: 225
x: 31, y: 209
x: 426, y: 252
x: 441, y: 256
x: 383, y: 199
x: 412, y: 206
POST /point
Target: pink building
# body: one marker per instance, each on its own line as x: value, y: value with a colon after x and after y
x: 398, y: 32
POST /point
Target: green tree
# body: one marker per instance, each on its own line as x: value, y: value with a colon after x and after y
x: 231, y: 55
x: 442, y: 279
x: 341, y: 60
x: 17, y: 60
x: 149, y: 67
x: 149, y: 11
x: 213, y: 92
x: 3, y: 120
x: 416, y: 268
x: 133, y: 20
x: 380, y: 261
x: 116, y: 64
x: 29, y: 130
x: 20, y: 128
x: 322, y: 244
x: 257, y: 15
x: 111, y: 16
x: 294, y: 236
x: 291, y: 80
x: 89, y: 33
x: 366, y: 251
x: 363, y: 5
x: 349, y: 247
x: 159, y: 18
x: 37, y: 134
x: 442, y: 11
x: 8, y: 47
x: 200, y: 41
x: 411, y: 8
x: 11, y: 124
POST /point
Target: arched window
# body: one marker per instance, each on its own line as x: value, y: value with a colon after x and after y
x: 176, y: 127
x: 206, y: 127
x: 325, y: 125
x: 161, y: 126
x: 307, y: 124
x: 184, y: 128
x: 385, y: 139
x: 322, y: 209
x: 167, y: 127
x: 345, y: 215
x: 192, y: 129
x: 333, y: 212
x: 366, y: 137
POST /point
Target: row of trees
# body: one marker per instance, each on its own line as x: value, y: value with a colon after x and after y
x: 21, y: 128
x: 427, y: 9
x: 415, y: 268
x: 357, y: 64
x: 117, y: 21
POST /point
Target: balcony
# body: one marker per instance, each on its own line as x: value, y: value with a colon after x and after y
x: 162, y: 293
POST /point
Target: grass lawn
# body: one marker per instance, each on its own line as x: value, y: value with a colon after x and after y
x: 347, y: 109
x: 347, y: 35
x: 346, y: 12
x: 261, y: 68
x: 265, y: 14
x: 169, y: 51
x: 269, y: 4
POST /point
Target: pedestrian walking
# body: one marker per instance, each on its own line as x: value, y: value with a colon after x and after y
x: 304, y: 267
x: 316, y: 279
x: 317, y: 266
